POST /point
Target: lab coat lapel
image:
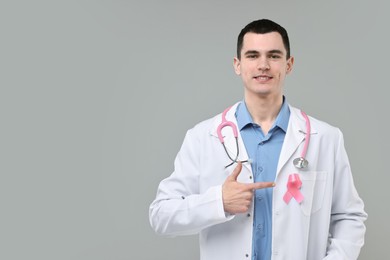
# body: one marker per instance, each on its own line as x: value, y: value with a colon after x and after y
x: 295, y: 136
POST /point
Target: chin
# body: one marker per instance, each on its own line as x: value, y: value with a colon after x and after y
x: 263, y: 91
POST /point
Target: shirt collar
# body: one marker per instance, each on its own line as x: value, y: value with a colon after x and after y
x: 244, y: 117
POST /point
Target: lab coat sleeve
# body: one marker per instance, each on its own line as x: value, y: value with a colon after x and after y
x: 179, y: 207
x: 347, y: 227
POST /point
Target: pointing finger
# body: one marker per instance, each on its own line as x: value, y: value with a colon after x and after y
x: 260, y: 185
x: 236, y: 172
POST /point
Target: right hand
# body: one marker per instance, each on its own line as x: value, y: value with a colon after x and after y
x: 237, y: 196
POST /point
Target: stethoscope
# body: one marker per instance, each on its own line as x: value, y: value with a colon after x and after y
x: 299, y: 162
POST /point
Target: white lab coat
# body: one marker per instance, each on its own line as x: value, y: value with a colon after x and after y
x: 328, y: 224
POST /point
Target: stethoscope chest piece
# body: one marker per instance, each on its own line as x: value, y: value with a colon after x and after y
x: 300, y: 163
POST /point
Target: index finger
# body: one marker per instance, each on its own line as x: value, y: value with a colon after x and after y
x: 260, y: 185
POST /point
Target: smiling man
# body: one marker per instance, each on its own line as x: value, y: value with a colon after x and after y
x: 263, y: 64
x: 262, y: 180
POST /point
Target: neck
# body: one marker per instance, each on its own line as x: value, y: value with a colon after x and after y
x: 264, y: 110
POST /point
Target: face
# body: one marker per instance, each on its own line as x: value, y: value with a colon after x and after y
x: 263, y: 65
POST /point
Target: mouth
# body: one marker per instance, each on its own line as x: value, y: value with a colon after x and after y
x: 262, y: 78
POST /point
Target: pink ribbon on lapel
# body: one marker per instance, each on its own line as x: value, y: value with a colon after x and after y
x: 293, y: 189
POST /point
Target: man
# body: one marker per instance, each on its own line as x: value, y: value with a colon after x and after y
x: 247, y: 197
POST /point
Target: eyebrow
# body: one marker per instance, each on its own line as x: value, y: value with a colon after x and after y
x: 251, y: 52
x: 276, y: 52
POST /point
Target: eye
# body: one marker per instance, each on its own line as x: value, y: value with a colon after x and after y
x: 275, y: 56
x: 251, y: 56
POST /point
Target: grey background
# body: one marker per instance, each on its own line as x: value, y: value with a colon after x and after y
x: 96, y: 97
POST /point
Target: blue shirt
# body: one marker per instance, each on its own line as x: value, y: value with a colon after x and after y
x: 264, y: 150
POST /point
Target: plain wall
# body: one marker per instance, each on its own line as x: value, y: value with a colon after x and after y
x: 96, y: 96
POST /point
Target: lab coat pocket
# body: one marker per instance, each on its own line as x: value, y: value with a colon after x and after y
x: 313, y: 190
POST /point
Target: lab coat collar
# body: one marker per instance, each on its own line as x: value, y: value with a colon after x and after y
x: 295, y: 136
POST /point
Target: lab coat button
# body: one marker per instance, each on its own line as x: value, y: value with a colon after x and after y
x: 247, y: 255
x: 248, y: 215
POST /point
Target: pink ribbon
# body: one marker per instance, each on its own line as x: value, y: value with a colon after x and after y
x: 293, y: 189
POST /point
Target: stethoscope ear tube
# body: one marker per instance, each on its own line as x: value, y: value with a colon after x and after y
x: 299, y: 162
x: 230, y: 124
x: 224, y: 124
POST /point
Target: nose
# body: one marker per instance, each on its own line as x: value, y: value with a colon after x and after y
x: 263, y: 64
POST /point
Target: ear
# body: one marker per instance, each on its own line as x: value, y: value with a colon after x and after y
x: 290, y: 63
x: 237, y: 66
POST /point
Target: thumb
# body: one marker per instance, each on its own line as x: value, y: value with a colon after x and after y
x: 236, y: 172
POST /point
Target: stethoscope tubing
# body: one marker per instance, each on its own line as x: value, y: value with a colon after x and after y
x: 299, y: 163
x: 307, y: 135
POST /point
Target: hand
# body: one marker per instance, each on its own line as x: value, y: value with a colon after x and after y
x: 237, y: 196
